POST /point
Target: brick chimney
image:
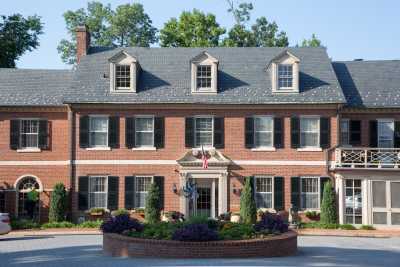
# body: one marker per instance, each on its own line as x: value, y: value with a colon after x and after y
x: 82, y: 41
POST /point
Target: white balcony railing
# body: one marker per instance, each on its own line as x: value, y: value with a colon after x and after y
x: 367, y: 158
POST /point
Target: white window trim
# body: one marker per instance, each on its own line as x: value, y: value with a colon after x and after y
x: 204, y: 59
x: 106, y: 147
x: 316, y: 148
x: 151, y: 147
x: 347, y: 144
x: 385, y: 120
x: 272, y: 192
x: 105, y: 189
x: 264, y: 148
x: 123, y: 58
x: 319, y: 193
x: 285, y: 88
x: 135, y: 186
x: 28, y: 149
x: 196, y: 147
x: 131, y: 73
x: 285, y: 58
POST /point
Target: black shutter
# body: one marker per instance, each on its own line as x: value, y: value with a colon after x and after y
x: 159, y: 181
x: 355, y: 132
x: 84, y: 132
x: 295, y: 192
x: 159, y: 132
x: 373, y: 133
x: 397, y: 134
x: 129, y: 192
x: 295, y: 132
x: 112, y: 197
x: 189, y: 132
x: 113, y: 132
x: 219, y: 132
x: 130, y: 132
x: 322, y: 182
x: 249, y: 132
x: 14, y: 134
x: 279, y: 197
x: 278, y: 133
x: 83, y: 193
x: 44, y: 134
x: 325, y: 132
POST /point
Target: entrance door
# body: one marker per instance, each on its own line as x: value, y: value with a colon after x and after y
x: 386, y: 203
x: 204, y: 204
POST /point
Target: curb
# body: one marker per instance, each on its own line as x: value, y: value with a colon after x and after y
x: 53, y: 232
x: 348, y: 233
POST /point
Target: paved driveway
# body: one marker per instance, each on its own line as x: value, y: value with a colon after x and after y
x: 85, y: 251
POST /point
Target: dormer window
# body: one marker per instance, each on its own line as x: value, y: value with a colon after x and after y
x: 124, y: 71
x: 284, y: 70
x: 204, y: 74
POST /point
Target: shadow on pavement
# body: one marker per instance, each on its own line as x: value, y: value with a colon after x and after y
x: 17, y: 238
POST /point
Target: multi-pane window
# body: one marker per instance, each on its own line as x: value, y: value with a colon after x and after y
x: 204, y: 131
x: 263, y: 131
x: 309, y: 132
x: 29, y: 134
x: 353, y: 201
x: 142, y: 186
x: 344, y: 132
x: 123, y: 76
x: 310, y: 192
x: 97, y: 192
x: 263, y: 192
x: 385, y: 133
x: 144, y: 132
x: 98, y: 131
x: 203, y: 76
x: 285, y: 76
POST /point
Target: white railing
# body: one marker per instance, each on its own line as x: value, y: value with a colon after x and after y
x: 367, y: 157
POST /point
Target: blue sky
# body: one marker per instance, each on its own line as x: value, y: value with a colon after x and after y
x: 367, y: 29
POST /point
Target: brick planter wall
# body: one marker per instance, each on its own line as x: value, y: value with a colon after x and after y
x: 123, y: 246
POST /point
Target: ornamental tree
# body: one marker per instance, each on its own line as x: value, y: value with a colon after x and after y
x: 248, y: 210
x: 152, y: 211
x: 328, y: 206
x: 58, y: 203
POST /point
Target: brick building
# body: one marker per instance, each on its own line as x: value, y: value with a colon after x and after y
x: 126, y: 117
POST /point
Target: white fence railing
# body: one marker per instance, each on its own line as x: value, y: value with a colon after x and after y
x: 367, y: 157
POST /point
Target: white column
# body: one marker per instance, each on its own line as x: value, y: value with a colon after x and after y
x: 340, y: 197
x: 365, y: 201
x: 183, y: 201
x: 213, y: 215
x: 223, y: 193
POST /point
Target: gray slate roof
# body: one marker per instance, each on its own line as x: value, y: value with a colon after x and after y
x: 370, y: 84
x: 25, y: 87
x: 242, y: 77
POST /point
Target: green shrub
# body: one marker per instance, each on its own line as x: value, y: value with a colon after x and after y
x: 97, y: 210
x: 236, y: 231
x: 248, y: 210
x: 63, y: 224
x: 212, y: 224
x: 58, y: 203
x: 152, y: 211
x: 367, y: 227
x: 19, y: 224
x: 162, y: 230
x: 119, y: 212
x: 347, y: 227
x: 328, y: 206
x: 319, y: 225
x: 90, y: 224
x: 311, y: 214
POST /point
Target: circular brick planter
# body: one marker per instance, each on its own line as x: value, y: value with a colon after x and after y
x: 275, y: 246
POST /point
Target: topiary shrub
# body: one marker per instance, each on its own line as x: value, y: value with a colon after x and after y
x: 152, y: 211
x: 248, y: 210
x: 328, y: 207
x: 120, y: 224
x: 58, y: 204
x: 271, y: 223
x: 195, y: 232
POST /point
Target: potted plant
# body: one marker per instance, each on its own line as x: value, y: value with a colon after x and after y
x: 235, y: 217
x: 172, y: 216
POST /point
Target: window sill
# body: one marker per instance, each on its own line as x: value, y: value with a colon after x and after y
x: 204, y: 92
x: 263, y: 149
x: 309, y: 149
x: 120, y: 91
x: 285, y: 91
x: 150, y: 148
x: 29, y: 150
x: 99, y: 148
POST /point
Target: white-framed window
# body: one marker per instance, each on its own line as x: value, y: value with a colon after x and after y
x: 98, y: 191
x: 353, y: 201
x: 204, y: 131
x: 144, y: 131
x: 29, y: 133
x: 142, y: 186
x: 263, y: 131
x: 203, y: 77
x: 285, y: 76
x: 122, y: 77
x: 345, y: 132
x: 263, y: 192
x: 309, y: 192
x: 309, y: 132
x: 98, y: 131
x: 385, y: 133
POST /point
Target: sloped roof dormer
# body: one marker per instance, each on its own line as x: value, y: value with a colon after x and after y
x: 204, y: 74
x: 284, y: 71
x: 124, y: 73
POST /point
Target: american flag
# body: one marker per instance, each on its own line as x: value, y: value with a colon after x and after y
x: 204, y: 158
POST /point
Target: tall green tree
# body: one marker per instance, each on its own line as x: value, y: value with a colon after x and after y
x: 192, y: 29
x: 248, y: 210
x: 18, y: 35
x: 58, y: 203
x: 328, y: 206
x: 152, y: 212
x: 128, y: 25
x: 312, y: 42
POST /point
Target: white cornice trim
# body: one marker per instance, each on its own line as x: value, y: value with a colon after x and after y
x: 281, y: 162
